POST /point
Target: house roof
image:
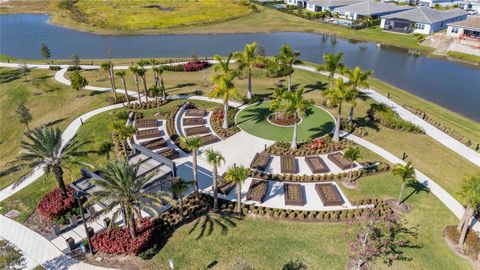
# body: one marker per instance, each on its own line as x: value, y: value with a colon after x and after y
x: 426, y: 15
x: 334, y: 3
x: 367, y: 8
x: 472, y: 22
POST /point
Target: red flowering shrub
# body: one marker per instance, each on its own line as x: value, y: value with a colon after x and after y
x: 316, y: 144
x: 119, y: 241
x: 260, y: 65
x: 195, y: 66
x: 218, y: 116
x: 53, y: 204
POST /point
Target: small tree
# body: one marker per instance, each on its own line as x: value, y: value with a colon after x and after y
x: 471, y: 194
x: 180, y: 186
x: 193, y: 143
x: 406, y: 173
x: 24, y: 115
x: 155, y: 91
x: 352, y: 154
x: 105, y: 149
x: 78, y: 81
x: 124, y: 133
x: 45, y: 51
x: 214, y: 158
x: 121, y: 74
x: 237, y: 175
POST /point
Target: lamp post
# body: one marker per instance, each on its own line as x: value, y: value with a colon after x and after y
x: 78, y: 195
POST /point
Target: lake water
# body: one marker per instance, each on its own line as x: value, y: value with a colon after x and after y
x: 451, y: 85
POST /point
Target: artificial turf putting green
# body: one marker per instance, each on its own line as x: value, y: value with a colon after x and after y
x: 253, y: 120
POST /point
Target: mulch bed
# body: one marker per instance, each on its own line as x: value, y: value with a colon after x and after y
x: 283, y: 121
x: 401, y: 209
x: 117, y: 261
x: 471, y: 248
x: 39, y: 225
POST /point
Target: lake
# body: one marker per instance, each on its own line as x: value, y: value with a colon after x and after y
x: 452, y: 85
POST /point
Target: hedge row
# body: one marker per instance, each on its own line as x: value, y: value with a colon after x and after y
x: 216, y: 120
x: 457, y: 135
x: 387, y: 117
x: 314, y: 147
x: 144, y: 105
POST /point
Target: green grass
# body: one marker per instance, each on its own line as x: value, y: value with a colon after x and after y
x: 253, y: 120
x: 464, y: 56
x: 264, y: 243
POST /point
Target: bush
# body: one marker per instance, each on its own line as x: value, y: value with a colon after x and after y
x: 54, y: 68
x: 74, y: 68
x: 53, y: 204
x: 389, y: 118
x: 195, y: 66
x: 119, y: 241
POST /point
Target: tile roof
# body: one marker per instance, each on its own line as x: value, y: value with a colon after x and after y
x: 426, y: 15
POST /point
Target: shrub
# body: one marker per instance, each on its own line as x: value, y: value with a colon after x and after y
x: 74, y: 68
x: 53, y: 204
x: 54, y: 68
x: 389, y: 118
x: 119, y: 241
x: 195, y: 66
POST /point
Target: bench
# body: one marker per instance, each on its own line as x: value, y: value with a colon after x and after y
x: 169, y: 153
x: 154, y: 144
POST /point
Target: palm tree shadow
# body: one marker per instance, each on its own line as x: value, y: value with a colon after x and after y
x: 207, y: 224
x: 323, y: 129
x: 257, y: 114
x: 417, y: 188
x: 321, y: 86
x: 367, y: 121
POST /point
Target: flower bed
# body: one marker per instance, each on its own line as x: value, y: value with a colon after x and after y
x: 53, y: 205
x: 216, y: 121
x: 315, y: 147
x: 144, y: 105
x: 119, y: 241
x: 188, y: 67
x: 283, y: 121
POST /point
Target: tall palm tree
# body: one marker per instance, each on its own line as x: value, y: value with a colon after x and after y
x: 180, y: 186
x: 471, y: 194
x: 295, y: 105
x: 246, y: 60
x: 223, y: 65
x: 142, y: 74
x: 193, y: 143
x: 356, y: 78
x: 214, y: 158
x: 120, y: 187
x: 135, y: 72
x: 108, y: 68
x: 121, y: 74
x: 155, y: 92
x: 237, y: 175
x: 336, y: 96
x: 331, y: 64
x: 105, y: 148
x: 286, y: 58
x: 124, y: 133
x: 406, y: 173
x: 158, y: 71
x: 44, y: 147
x: 352, y: 154
x: 224, y: 88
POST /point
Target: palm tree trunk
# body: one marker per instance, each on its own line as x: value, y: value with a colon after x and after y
x: 336, y: 134
x: 112, y: 82
x: 350, y: 115
x: 462, y: 221
x: 158, y: 104
x: 401, y: 194
x: 290, y: 82
x: 293, y: 146
x: 28, y: 127
x: 163, y: 87
x: 469, y: 214
x: 126, y: 91
x: 144, y: 80
x: 249, y: 94
x: 131, y: 226
x: 57, y: 170
x: 194, y: 168
x: 124, y: 144
x: 239, y: 198
x: 138, y: 88
x: 225, y: 115
x: 214, y: 186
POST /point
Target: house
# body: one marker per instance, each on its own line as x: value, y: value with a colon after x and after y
x: 443, y: 3
x: 297, y: 3
x: 329, y: 5
x: 466, y: 29
x: 421, y: 20
x: 369, y: 8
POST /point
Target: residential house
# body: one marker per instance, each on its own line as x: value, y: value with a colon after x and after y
x: 297, y: 3
x: 421, y: 20
x: 443, y: 3
x: 466, y: 29
x: 329, y: 5
x: 369, y: 8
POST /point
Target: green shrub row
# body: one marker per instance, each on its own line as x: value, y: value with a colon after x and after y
x: 144, y: 105
x: 387, y: 117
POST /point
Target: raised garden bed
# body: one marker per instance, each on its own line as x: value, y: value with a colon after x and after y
x: 276, y: 119
x: 196, y: 130
x: 315, y: 147
x: 169, y: 153
x: 148, y: 134
x: 154, y: 144
x: 260, y: 161
x: 339, y: 161
x: 329, y: 194
x: 293, y: 194
x: 209, y: 139
x: 195, y: 113
x: 317, y: 165
x: 224, y: 187
x: 146, y: 123
x: 194, y: 121
x: 257, y: 191
x: 288, y: 165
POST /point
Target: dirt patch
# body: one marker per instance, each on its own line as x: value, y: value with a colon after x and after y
x: 402, y: 208
x: 349, y: 184
x: 117, y: 261
x: 39, y: 225
x: 471, y: 248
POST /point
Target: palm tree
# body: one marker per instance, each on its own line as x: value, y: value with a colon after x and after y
x: 155, y: 92
x: 158, y: 71
x: 287, y: 57
x: 223, y: 65
x: 336, y: 96
x: 120, y: 187
x: 45, y: 148
x: 352, y: 154
x: 246, y: 61
x: 124, y: 133
x: 108, y: 68
x: 331, y: 64
x: 105, y: 148
x: 471, y: 194
x: 406, y: 173
x: 193, y: 143
x: 121, y: 74
x: 295, y: 105
x: 135, y: 72
x: 142, y: 74
x: 214, y: 158
x: 180, y: 186
x: 237, y: 175
x: 356, y: 78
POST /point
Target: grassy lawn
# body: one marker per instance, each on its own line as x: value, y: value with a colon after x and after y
x: 464, y: 56
x: 263, y: 243
x: 53, y: 106
x: 253, y: 120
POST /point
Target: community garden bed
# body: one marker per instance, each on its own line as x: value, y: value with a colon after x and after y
x: 314, y: 147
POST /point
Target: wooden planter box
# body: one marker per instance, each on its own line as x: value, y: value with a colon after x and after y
x: 257, y: 191
x: 154, y: 144
x: 293, y: 194
x: 329, y: 194
x: 260, y: 161
x: 195, y: 113
x: 209, y: 139
x: 194, y: 121
x: 317, y: 165
x: 148, y: 134
x: 146, y: 123
x: 169, y: 153
x: 288, y: 165
x: 339, y: 161
x: 196, y: 130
